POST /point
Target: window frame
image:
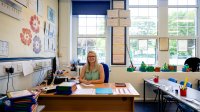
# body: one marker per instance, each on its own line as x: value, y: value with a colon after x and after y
x: 77, y: 36
x: 195, y: 37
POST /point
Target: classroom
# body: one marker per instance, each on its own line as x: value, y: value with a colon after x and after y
x: 146, y: 54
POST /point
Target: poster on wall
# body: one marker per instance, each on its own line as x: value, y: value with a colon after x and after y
x: 32, y: 4
x: 23, y: 2
x: 3, y: 48
x: 51, y: 14
x: 11, y: 9
x: 40, y: 7
x: 49, y: 40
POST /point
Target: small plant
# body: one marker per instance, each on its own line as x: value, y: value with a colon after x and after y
x: 143, y: 67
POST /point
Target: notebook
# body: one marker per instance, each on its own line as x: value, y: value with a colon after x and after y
x: 104, y: 91
x: 120, y: 85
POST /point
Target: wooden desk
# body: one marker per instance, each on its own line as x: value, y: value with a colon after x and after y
x: 91, y: 102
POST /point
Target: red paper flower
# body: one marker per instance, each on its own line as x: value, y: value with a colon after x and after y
x: 26, y: 36
x: 35, y: 24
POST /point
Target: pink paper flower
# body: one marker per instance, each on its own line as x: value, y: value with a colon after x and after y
x: 35, y: 24
x: 26, y: 36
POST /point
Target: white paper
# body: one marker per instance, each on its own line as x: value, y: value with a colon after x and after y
x: 118, y: 49
x: 124, y: 13
x: 89, y: 91
x: 182, y: 45
x: 118, y: 31
x: 118, y: 4
x: 20, y: 93
x: 118, y: 59
x: 11, y: 9
x: 88, y: 85
x: 27, y: 67
x: 125, y: 22
x: 23, y: 2
x: 40, y: 7
x: 33, y: 5
x: 112, y: 13
x: 112, y: 22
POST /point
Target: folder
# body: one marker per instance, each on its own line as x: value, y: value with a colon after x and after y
x: 104, y: 91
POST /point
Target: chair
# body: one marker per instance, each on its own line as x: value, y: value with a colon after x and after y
x: 193, y: 63
x: 169, y: 98
x: 182, y: 106
x: 106, y: 72
x: 156, y: 90
x: 188, y: 84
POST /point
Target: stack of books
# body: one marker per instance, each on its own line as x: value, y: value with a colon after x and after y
x: 21, y: 101
x: 66, y: 88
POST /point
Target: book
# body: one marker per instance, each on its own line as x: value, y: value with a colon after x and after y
x: 66, y: 88
x: 120, y: 85
x: 104, y: 91
x: 19, y: 94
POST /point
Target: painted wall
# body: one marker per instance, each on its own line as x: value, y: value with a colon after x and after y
x: 11, y: 28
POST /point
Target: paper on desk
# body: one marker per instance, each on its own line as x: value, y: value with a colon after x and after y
x: 192, y: 100
x: 121, y: 91
x: 27, y: 67
x: 88, y: 85
x: 89, y: 91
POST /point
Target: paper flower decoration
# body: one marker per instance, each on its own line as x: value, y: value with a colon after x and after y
x: 26, y: 36
x: 35, y: 24
x: 37, y: 44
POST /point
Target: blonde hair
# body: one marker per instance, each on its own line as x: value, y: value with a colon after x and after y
x: 96, y: 60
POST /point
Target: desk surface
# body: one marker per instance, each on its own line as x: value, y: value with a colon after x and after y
x: 91, y: 102
x: 131, y: 91
x: 170, y: 87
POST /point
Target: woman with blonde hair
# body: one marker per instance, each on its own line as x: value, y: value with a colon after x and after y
x: 92, y: 72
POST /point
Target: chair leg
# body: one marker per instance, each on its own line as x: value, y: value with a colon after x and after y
x: 155, y: 98
x: 177, y: 109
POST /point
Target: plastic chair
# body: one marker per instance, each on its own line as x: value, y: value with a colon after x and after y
x: 169, y: 98
x: 106, y: 72
x: 188, y: 84
x: 156, y: 90
x: 193, y: 63
x: 182, y: 106
x: 173, y: 80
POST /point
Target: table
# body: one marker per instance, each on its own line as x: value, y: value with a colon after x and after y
x: 169, y: 87
x: 91, y: 102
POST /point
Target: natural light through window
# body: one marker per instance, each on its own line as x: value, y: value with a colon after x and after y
x: 91, y: 36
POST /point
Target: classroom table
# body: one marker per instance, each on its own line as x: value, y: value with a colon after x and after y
x: 119, y: 101
x: 168, y: 87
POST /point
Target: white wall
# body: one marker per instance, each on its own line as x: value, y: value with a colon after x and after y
x: 65, y: 32
x: 10, y: 30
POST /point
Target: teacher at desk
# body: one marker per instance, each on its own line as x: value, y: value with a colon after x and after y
x: 92, y: 72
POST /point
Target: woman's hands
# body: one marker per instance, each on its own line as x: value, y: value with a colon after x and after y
x: 86, y: 82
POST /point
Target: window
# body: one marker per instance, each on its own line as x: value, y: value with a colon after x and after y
x: 182, y: 21
x: 180, y: 50
x: 144, y: 24
x: 144, y: 21
x: 91, y: 36
x: 182, y: 26
x: 143, y: 50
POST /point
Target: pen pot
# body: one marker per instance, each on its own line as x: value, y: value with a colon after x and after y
x: 183, y: 92
x: 156, y: 78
